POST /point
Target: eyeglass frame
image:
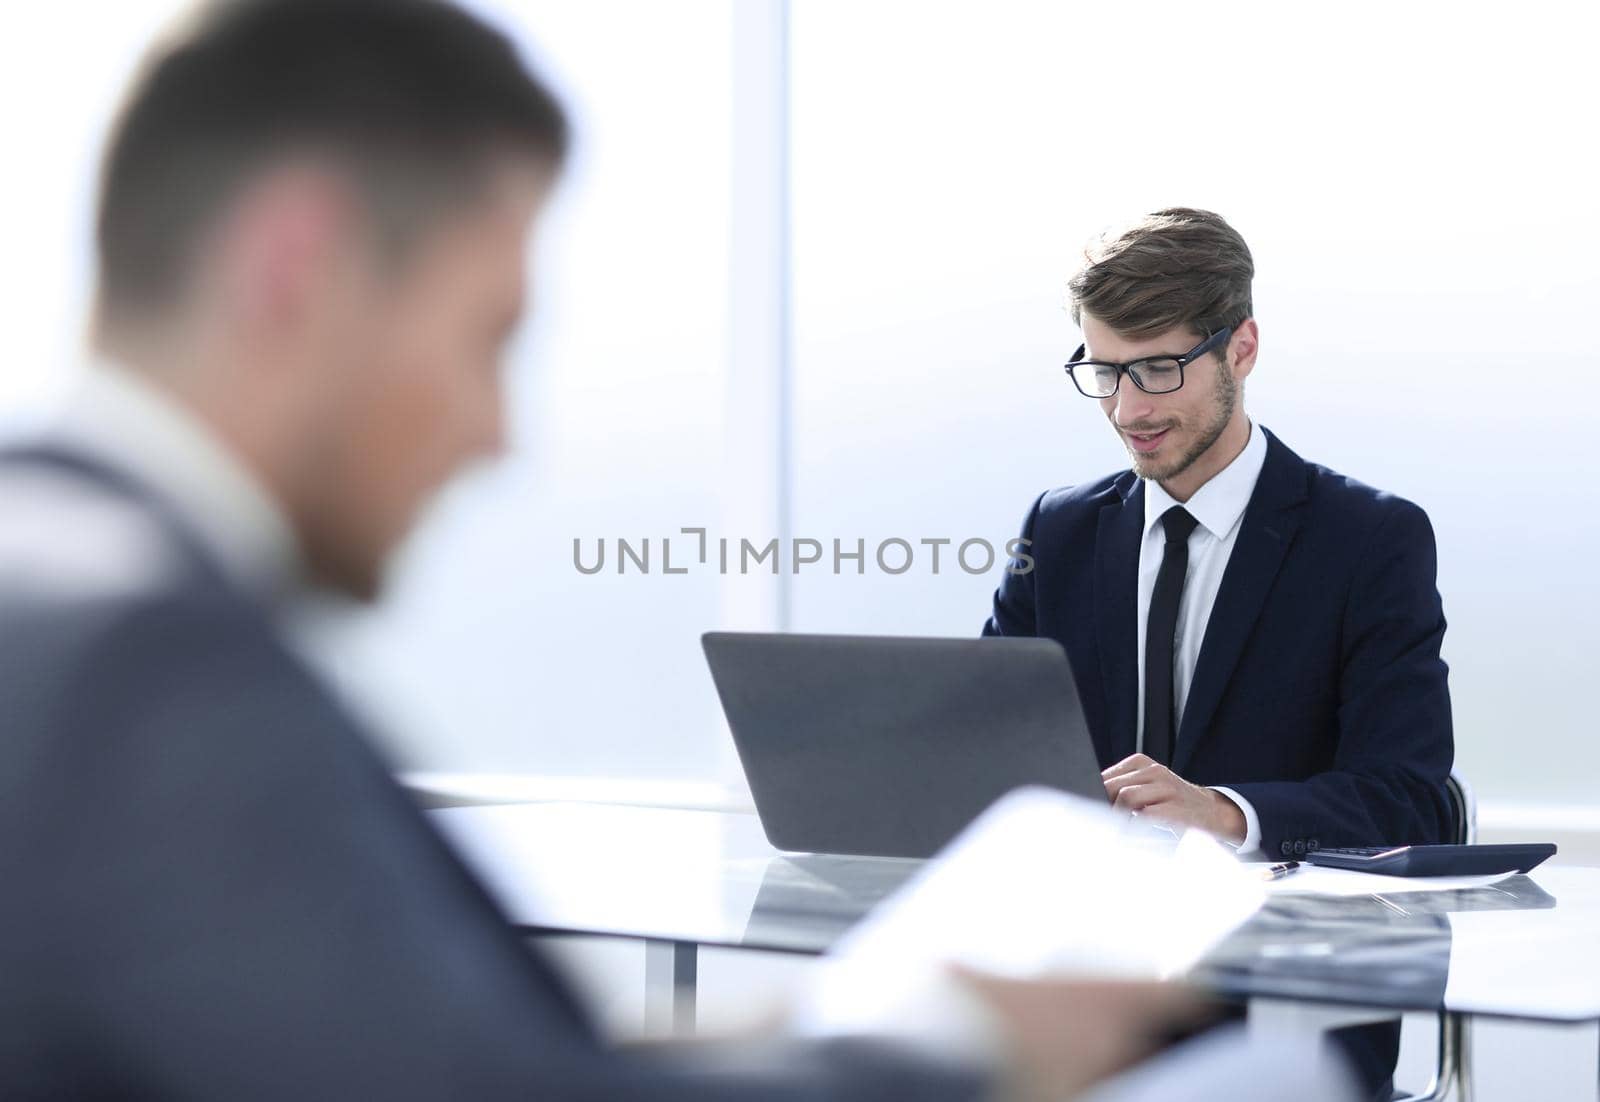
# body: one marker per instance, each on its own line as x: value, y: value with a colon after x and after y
x: 1207, y: 344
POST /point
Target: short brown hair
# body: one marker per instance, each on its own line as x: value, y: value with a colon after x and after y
x: 411, y: 97
x: 1175, y: 267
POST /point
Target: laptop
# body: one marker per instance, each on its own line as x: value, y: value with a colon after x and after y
x: 889, y: 746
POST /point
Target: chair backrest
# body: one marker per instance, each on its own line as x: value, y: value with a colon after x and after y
x: 1464, y: 809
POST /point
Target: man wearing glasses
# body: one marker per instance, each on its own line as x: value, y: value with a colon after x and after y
x: 1254, y: 637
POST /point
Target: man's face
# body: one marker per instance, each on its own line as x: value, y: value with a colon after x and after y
x: 1166, y: 433
x: 416, y: 391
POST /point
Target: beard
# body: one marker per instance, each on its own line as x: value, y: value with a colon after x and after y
x: 1224, y: 400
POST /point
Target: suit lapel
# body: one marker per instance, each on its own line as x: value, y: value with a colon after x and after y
x: 1266, y: 530
x: 1116, y: 609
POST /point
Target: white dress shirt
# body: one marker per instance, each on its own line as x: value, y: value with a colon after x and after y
x: 132, y: 426
x: 1219, y: 507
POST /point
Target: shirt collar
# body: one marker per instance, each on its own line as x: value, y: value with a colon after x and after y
x: 125, y: 421
x: 1220, y: 503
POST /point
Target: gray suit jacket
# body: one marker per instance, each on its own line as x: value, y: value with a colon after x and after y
x: 211, y: 888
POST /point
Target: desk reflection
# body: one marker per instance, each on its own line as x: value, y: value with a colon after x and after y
x: 1375, y: 950
x: 807, y: 901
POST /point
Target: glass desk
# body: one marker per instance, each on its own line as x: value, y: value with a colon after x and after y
x: 1526, y: 948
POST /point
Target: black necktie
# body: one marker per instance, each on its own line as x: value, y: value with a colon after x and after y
x: 1160, y: 628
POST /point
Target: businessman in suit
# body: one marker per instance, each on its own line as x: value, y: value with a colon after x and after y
x: 311, y: 239
x: 1255, y: 638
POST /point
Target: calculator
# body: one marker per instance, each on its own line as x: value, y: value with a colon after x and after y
x: 1437, y: 860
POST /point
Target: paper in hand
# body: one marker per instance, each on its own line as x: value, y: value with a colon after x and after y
x: 1041, y: 884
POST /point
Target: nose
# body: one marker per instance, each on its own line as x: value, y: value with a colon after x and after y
x: 1129, y: 405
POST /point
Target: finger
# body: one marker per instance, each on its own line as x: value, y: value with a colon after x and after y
x: 1174, y: 1008
x: 1068, y: 1033
x: 1150, y: 774
x: 1134, y: 998
x: 983, y: 981
x: 1173, y: 812
x: 1161, y: 1012
x: 1139, y: 797
x: 1008, y: 997
x: 1127, y: 765
x: 1147, y: 1006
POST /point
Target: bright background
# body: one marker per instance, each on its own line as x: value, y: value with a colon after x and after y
x: 805, y: 278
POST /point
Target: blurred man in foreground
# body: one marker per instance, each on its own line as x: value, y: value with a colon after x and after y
x: 311, y: 237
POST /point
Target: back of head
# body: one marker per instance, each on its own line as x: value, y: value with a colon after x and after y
x: 410, y: 98
x: 1175, y: 267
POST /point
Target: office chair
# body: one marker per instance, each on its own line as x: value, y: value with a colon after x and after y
x: 1454, y: 1067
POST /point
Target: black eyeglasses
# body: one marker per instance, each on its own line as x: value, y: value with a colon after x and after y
x: 1152, y: 374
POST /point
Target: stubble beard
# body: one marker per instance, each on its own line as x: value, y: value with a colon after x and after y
x: 1225, y: 400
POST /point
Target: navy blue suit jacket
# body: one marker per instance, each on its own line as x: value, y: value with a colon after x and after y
x: 1318, y: 695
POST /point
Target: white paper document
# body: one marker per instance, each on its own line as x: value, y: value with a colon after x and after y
x: 1041, y: 884
x: 1322, y: 880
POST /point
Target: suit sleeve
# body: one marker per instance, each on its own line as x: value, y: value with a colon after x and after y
x: 232, y: 899
x: 1014, y: 608
x: 1396, y: 746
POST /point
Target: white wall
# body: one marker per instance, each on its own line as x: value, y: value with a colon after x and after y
x: 58, y: 88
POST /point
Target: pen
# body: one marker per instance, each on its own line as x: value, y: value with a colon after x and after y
x: 1278, y: 872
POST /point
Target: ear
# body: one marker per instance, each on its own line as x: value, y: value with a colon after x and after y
x: 279, y: 250
x: 1242, y: 348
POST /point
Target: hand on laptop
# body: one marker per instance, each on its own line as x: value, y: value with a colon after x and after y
x: 1063, y: 1036
x: 1140, y: 785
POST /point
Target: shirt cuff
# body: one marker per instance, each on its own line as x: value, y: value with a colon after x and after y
x: 1252, y: 822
